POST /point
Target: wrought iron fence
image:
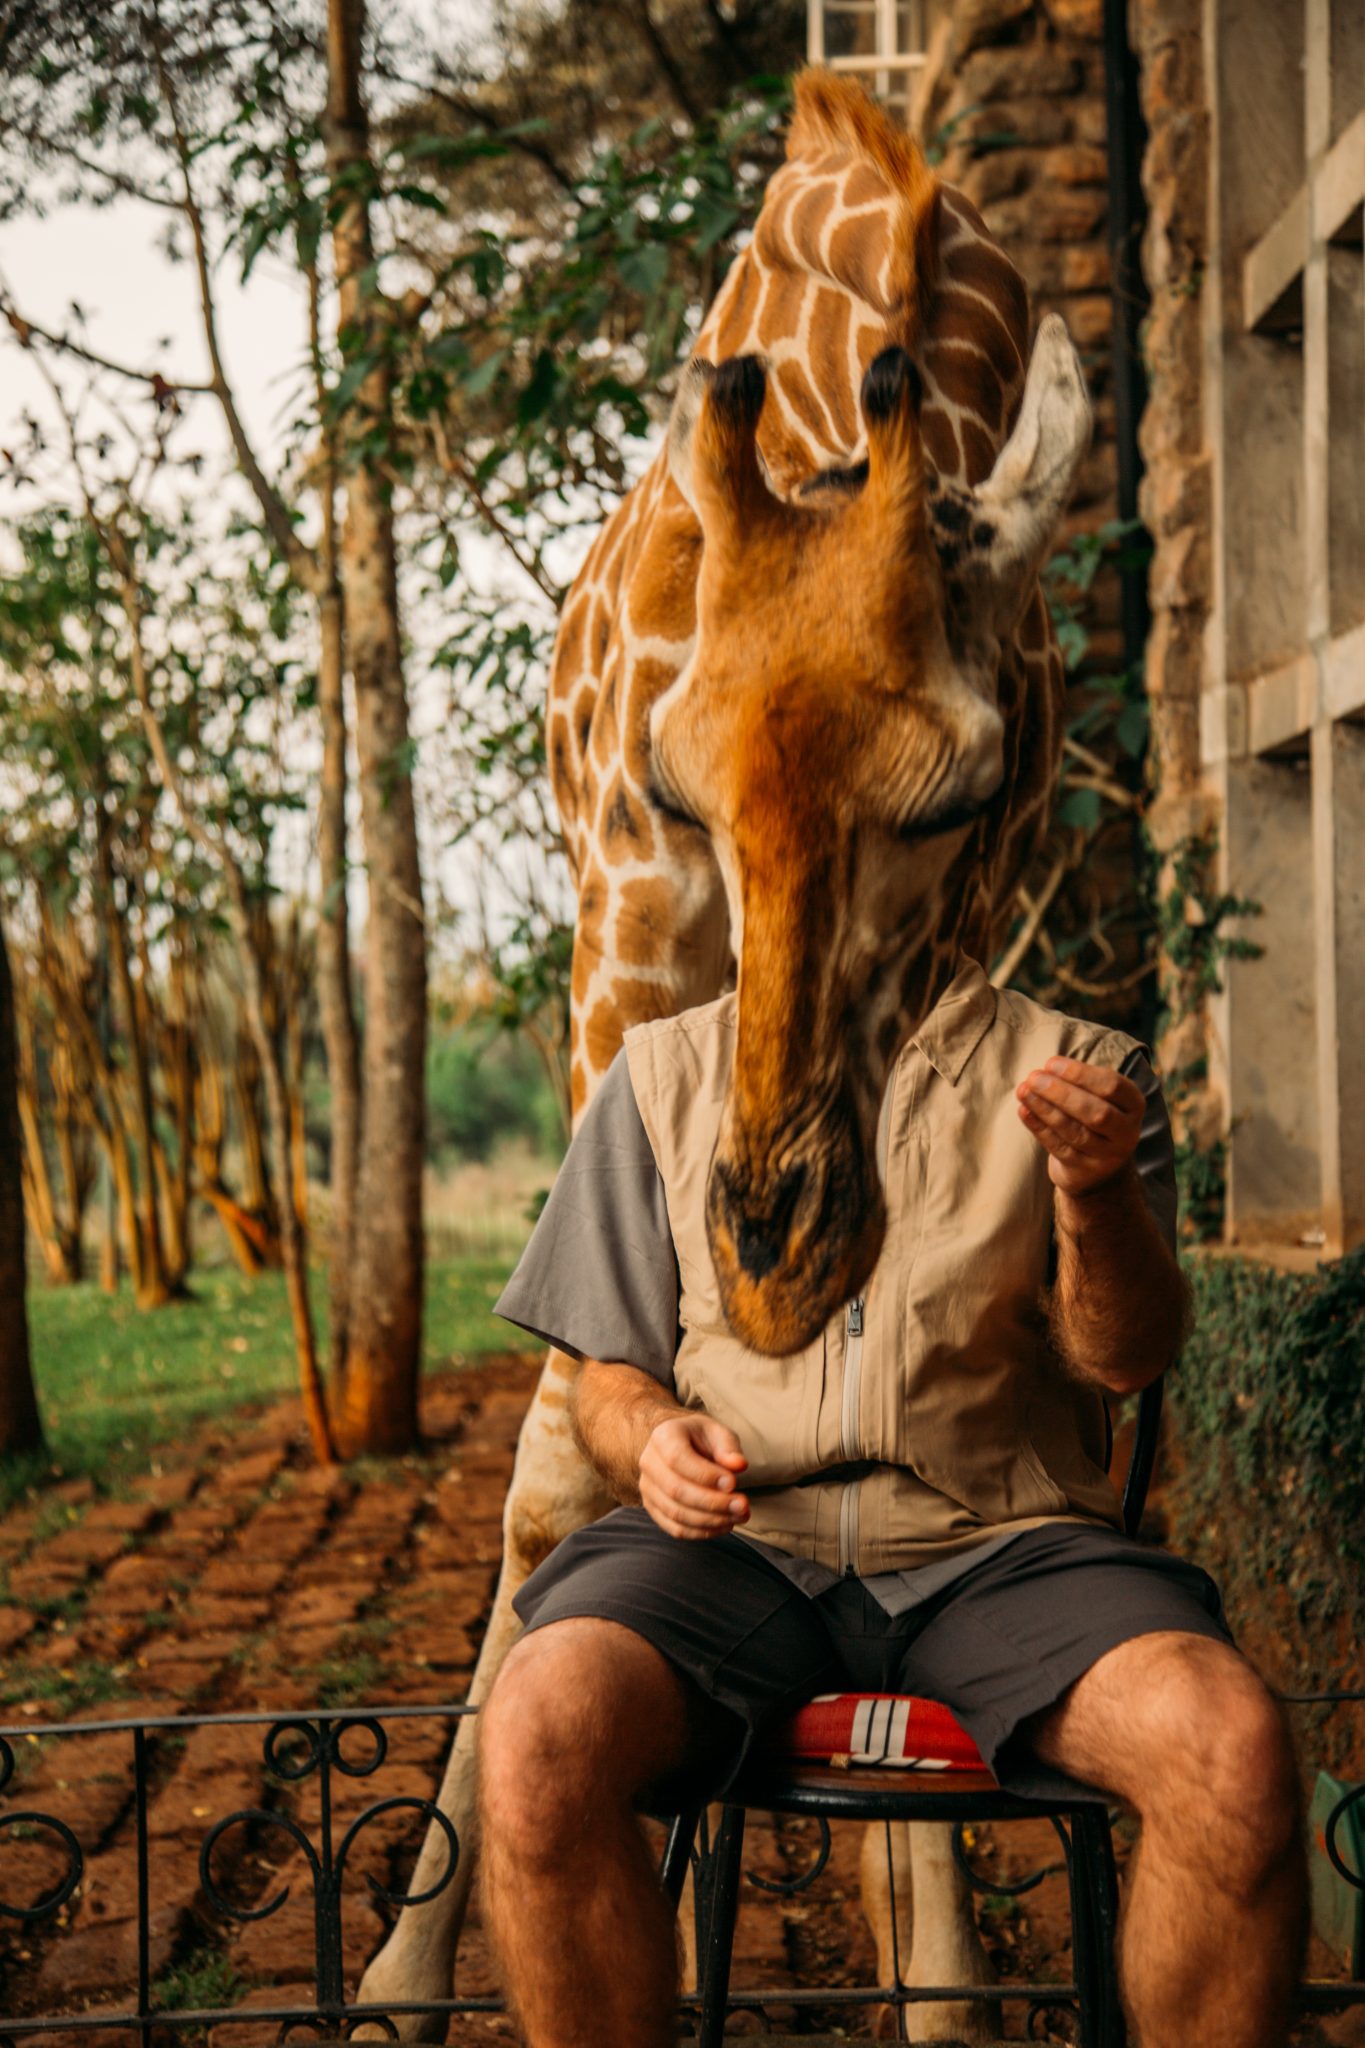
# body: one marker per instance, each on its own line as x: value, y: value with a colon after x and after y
x: 328, y: 1753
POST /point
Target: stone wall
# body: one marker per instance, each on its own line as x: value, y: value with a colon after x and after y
x: 1175, y: 497
x: 1014, y: 95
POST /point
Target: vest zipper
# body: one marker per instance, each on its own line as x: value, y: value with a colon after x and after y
x: 853, y: 1364
x: 848, y: 1430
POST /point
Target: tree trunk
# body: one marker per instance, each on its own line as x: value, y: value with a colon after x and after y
x: 293, y: 1237
x: 378, y: 1395
x: 75, y: 1156
x: 251, y: 1236
x: 21, y: 1429
x: 150, y: 1274
x: 336, y: 1007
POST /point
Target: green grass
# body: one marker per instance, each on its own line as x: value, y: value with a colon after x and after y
x: 204, y: 1981
x: 84, y: 1683
x: 116, y: 1383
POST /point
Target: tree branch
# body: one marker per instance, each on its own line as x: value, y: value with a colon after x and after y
x: 27, y: 331
x: 274, y: 511
x: 1037, y: 910
x: 663, y: 58
x: 454, y: 467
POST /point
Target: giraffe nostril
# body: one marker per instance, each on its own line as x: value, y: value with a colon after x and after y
x: 761, y: 1238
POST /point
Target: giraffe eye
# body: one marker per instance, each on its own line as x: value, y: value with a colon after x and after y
x: 935, y: 823
x: 664, y: 800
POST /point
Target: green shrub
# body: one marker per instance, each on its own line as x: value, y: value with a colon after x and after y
x: 1268, y: 1410
x: 484, y: 1086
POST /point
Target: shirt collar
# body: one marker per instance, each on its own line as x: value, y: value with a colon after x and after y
x: 958, y: 1021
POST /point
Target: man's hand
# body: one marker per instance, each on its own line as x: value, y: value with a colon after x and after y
x: 1088, y: 1119
x: 679, y: 1463
x: 688, y: 1472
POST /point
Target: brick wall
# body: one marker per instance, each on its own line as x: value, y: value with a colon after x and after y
x: 1175, y: 496
x: 1014, y: 94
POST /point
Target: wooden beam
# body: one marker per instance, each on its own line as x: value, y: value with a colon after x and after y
x: 1343, y: 675
x: 1273, y: 264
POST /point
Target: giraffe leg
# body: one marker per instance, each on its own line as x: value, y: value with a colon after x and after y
x: 919, y: 1906
x: 554, y: 1491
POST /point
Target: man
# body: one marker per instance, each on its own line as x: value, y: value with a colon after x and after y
x: 917, y: 1502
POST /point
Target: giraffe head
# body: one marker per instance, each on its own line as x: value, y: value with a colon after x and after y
x: 840, y: 735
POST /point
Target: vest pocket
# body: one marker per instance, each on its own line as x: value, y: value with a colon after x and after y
x: 996, y: 1482
x: 772, y: 1404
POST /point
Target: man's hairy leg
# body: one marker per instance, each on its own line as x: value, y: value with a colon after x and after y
x: 1183, y: 1731
x: 585, y: 1716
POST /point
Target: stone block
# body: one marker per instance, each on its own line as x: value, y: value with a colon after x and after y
x: 1000, y: 174
x: 1176, y: 493
x: 317, y: 1606
x: 42, y: 1579
x: 1089, y: 318
x: 1057, y: 269
x: 1172, y: 75
x: 1030, y: 71
x: 976, y: 23
x: 88, y: 1959
x: 249, y: 1475
x: 167, y: 1489
x: 85, y: 1546
x: 131, y: 1517
x: 1174, y: 736
x: 1175, y: 661
x: 1181, y: 572
x: 1076, y: 163
x: 15, y: 1624
x: 1056, y: 213
x: 1083, y: 19
x: 1089, y: 121
x: 1024, y: 123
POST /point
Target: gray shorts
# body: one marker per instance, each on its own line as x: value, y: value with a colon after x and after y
x: 998, y: 1645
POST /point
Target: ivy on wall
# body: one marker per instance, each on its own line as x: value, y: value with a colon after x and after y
x: 1271, y: 1429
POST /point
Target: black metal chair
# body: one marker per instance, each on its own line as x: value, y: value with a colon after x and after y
x: 773, y: 1783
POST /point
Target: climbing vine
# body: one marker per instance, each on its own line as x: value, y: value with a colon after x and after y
x: 1192, y: 930
x: 1271, y: 1435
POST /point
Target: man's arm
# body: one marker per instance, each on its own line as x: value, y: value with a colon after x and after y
x: 679, y: 1463
x: 1119, y: 1302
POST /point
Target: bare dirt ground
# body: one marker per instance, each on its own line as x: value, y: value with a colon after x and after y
x: 238, y: 1577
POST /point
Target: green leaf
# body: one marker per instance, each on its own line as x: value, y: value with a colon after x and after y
x: 714, y: 219
x: 484, y: 375
x: 418, y: 195
x: 644, y: 270
x: 1080, y: 808
x: 1131, y: 728
x: 350, y: 381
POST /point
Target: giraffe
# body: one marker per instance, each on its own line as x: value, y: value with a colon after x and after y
x: 803, y: 730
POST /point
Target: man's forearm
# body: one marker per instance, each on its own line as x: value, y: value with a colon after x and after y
x: 616, y: 1408
x: 1119, y: 1304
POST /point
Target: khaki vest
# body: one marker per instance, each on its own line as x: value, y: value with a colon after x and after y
x: 949, y: 1404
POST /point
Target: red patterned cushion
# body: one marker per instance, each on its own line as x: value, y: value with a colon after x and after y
x: 879, y: 1728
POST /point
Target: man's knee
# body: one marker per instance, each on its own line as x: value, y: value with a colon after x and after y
x: 559, y: 1734
x: 1216, y: 1766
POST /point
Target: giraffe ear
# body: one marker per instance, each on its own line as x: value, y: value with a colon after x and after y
x: 1017, y: 508
x: 891, y: 396
x: 713, y: 446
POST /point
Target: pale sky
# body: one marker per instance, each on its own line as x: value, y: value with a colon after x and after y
x: 108, y: 260
x: 132, y: 298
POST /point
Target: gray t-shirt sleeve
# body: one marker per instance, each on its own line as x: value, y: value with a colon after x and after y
x: 599, y: 1276
x: 1155, y: 1157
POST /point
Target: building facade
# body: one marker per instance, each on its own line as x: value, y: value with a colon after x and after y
x: 1228, y: 360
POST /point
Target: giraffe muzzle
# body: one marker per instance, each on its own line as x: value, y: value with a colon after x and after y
x: 790, y: 1250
